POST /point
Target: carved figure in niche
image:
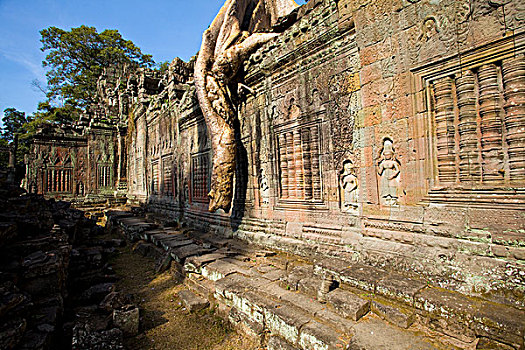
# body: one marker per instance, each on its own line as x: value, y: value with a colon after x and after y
x: 348, y: 183
x: 429, y: 29
x: 294, y: 112
x: 264, y: 188
x: 388, y: 171
x: 236, y: 32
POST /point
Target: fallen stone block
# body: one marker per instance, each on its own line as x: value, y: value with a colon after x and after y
x: 192, y: 302
x: 180, y: 254
x: 286, y: 320
x: 348, y: 304
x: 163, y: 263
x: 403, y: 318
x: 127, y: 319
x: 200, y: 285
x: 195, y: 263
x: 309, y: 286
x: 174, y: 243
x: 97, y: 292
x: 218, y: 269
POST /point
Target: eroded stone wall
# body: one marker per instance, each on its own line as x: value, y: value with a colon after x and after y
x: 386, y: 132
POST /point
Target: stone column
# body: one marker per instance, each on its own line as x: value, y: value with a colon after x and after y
x: 292, y: 193
x: 298, y: 161
x: 491, y: 123
x: 316, y: 170
x: 469, y: 167
x: 284, y: 165
x: 445, y: 131
x: 514, y: 83
x: 307, y: 163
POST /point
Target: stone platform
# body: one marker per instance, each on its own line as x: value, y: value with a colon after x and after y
x: 290, y: 303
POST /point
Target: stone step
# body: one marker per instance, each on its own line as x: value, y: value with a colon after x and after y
x: 194, y: 264
x: 396, y: 314
x: 192, y: 302
x: 394, y: 296
x: 168, y: 244
x: 181, y: 253
x: 348, y: 304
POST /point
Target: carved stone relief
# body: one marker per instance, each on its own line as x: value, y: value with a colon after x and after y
x: 348, y: 187
x: 388, y: 169
x: 264, y: 188
x: 344, y: 106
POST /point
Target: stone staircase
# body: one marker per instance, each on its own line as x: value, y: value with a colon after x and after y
x: 290, y: 303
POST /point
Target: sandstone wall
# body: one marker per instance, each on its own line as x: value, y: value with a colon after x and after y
x: 388, y: 132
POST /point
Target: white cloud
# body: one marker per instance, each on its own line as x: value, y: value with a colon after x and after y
x: 32, y: 64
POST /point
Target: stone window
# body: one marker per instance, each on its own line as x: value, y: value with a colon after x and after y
x: 104, y: 175
x: 200, y: 172
x: 299, y: 162
x: 167, y: 179
x: 155, y: 177
x: 479, y: 118
x: 57, y: 180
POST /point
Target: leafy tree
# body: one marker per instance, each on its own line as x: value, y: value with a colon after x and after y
x: 163, y: 66
x: 15, y: 123
x: 77, y: 58
x: 4, y: 154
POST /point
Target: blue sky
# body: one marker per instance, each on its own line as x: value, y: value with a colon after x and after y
x: 165, y: 29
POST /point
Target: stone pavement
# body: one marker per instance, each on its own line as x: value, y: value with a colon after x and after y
x: 291, y: 303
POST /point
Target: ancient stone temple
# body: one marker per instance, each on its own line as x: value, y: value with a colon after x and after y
x: 390, y: 133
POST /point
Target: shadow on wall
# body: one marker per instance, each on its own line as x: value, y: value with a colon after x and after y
x: 241, y: 180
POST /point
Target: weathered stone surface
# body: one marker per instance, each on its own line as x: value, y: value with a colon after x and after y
x: 393, y: 314
x: 399, y: 287
x: 84, y: 338
x: 372, y: 334
x: 348, y: 304
x: 315, y: 335
x: 286, y: 321
x: 362, y: 276
x: 195, y: 263
x: 192, y: 302
x: 383, y: 133
x: 127, y: 319
x: 181, y: 253
x: 277, y: 343
x: 219, y: 269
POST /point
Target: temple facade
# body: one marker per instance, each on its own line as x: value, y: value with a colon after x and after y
x: 391, y: 134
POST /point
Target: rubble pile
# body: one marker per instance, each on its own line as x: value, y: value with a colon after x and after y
x: 56, y: 287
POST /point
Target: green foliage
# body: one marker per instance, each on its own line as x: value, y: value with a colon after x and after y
x: 77, y: 58
x: 4, y: 155
x: 163, y: 66
x: 15, y: 123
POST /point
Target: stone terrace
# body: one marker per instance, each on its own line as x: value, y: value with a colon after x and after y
x: 290, y: 303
